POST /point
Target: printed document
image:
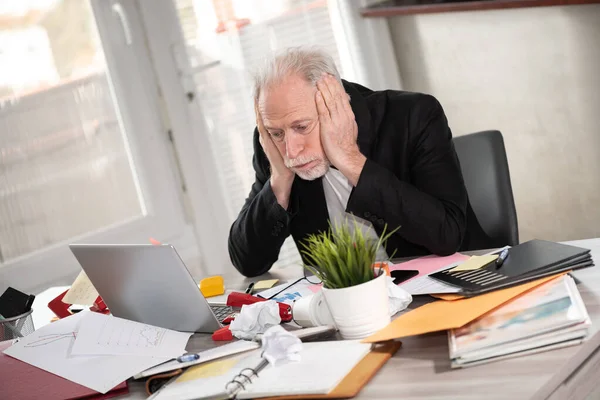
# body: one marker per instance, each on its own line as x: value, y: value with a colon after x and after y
x: 101, y: 334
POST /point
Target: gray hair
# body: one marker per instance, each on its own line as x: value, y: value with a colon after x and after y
x: 310, y: 63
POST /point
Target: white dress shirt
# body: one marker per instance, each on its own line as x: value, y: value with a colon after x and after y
x: 337, y: 192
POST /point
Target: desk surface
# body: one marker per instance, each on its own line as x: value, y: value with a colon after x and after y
x: 421, y: 368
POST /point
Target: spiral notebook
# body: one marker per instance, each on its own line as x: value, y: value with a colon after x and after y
x: 333, y: 369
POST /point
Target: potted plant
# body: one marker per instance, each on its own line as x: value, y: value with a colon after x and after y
x: 355, y: 292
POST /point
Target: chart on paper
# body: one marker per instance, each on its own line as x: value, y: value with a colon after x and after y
x: 101, y: 334
x: 129, y: 334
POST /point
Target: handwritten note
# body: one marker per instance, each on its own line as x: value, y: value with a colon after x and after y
x: 82, y: 292
x: 101, y: 334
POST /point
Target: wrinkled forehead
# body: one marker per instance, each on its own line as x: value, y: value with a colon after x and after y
x: 291, y: 96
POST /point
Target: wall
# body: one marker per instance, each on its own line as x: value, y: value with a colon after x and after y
x: 533, y: 74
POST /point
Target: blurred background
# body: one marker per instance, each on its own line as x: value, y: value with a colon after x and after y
x: 124, y: 120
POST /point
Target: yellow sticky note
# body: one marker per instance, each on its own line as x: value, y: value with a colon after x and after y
x: 212, y: 286
x: 475, y: 262
x: 266, y: 284
x: 209, y: 370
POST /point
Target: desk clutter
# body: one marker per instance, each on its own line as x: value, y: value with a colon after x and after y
x: 512, y: 302
x: 550, y: 316
x: 90, y: 353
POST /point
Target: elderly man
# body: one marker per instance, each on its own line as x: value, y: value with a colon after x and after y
x: 326, y: 150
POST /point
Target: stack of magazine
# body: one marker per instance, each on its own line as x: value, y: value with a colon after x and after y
x: 548, y: 317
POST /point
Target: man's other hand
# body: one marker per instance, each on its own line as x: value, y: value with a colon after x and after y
x: 339, y: 131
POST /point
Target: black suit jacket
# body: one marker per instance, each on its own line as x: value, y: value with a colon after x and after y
x: 411, y: 179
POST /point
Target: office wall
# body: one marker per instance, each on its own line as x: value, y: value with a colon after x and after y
x: 533, y: 74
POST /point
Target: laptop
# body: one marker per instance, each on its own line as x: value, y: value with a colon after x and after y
x: 149, y: 284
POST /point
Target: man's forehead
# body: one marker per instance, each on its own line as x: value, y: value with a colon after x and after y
x: 286, y: 97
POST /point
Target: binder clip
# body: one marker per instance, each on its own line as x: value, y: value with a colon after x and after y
x: 223, y: 334
x: 61, y: 309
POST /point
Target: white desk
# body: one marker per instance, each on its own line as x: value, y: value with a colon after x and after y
x: 421, y: 368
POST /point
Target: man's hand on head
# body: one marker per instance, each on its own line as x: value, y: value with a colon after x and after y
x: 339, y: 131
x: 281, y: 176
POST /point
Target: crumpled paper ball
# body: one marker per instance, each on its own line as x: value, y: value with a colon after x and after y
x: 254, y: 319
x: 280, y: 346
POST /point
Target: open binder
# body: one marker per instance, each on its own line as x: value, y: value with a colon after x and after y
x: 526, y: 262
x: 344, y: 368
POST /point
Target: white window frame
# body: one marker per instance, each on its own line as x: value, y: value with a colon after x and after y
x: 174, y: 74
x: 138, y: 105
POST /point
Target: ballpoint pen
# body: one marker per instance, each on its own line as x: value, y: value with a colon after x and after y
x: 188, y: 357
x: 250, y: 287
x: 501, y: 258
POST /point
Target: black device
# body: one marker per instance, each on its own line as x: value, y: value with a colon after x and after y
x: 14, y: 302
x: 402, y: 275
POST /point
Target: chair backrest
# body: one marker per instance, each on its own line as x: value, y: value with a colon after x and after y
x: 484, y: 166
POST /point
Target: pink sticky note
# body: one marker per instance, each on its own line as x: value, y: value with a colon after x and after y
x: 428, y: 264
x: 315, y: 288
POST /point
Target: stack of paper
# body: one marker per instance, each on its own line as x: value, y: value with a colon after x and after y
x: 550, y: 316
x: 98, y: 351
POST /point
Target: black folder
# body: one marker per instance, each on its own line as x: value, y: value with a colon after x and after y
x: 526, y: 262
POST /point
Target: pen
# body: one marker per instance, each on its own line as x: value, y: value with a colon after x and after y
x: 250, y: 287
x: 501, y: 258
x: 188, y: 357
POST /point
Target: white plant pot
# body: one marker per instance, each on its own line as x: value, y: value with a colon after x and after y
x: 361, y: 310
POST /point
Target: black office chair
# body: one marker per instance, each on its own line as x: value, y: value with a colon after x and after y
x: 485, y: 170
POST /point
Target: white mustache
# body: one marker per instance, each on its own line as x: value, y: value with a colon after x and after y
x: 294, y: 162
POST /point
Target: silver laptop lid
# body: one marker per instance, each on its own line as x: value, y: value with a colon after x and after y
x: 148, y: 284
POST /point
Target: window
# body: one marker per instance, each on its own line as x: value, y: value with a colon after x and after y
x: 84, y: 153
x: 65, y: 168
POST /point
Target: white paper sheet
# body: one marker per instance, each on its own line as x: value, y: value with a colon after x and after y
x: 82, y: 291
x: 427, y: 285
x: 288, y: 296
x: 49, y: 348
x: 101, y: 334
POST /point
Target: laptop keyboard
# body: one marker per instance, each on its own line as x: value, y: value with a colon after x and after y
x: 221, y: 312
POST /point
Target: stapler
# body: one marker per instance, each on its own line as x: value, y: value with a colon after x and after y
x: 236, y: 299
x: 61, y: 309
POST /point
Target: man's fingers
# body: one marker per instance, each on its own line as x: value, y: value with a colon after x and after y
x: 323, y: 87
x: 322, y: 109
x: 347, y: 107
x: 340, y: 97
x: 259, y: 121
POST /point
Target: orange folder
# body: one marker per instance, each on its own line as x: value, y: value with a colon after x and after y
x: 442, y: 315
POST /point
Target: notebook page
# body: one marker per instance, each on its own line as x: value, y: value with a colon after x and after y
x: 209, y: 380
x: 322, y: 367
